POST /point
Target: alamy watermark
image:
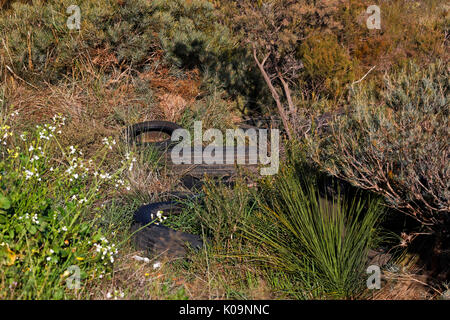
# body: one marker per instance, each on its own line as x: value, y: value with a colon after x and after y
x: 374, y: 280
x: 374, y: 20
x: 74, y: 21
x: 256, y: 152
x: 74, y: 279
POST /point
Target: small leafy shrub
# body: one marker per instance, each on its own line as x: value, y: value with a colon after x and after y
x: 140, y: 35
x: 327, y: 67
x: 214, y: 111
x: 409, y: 30
x: 48, y: 213
x: 395, y: 143
x: 319, y: 242
x: 224, y: 211
x: 191, y: 34
x: 40, y: 46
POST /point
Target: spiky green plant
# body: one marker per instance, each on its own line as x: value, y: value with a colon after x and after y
x: 321, y: 241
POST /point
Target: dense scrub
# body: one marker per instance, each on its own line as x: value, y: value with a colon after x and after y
x: 396, y: 144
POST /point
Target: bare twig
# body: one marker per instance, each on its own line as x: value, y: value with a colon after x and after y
x: 358, y: 81
x: 15, y: 75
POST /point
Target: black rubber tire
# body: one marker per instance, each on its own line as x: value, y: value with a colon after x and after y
x: 158, y: 239
x: 161, y: 240
x: 144, y: 214
x: 167, y: 127
x: 194, y: 170
x: 211, y: 170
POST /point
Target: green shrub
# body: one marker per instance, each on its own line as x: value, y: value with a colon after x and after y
x: 38, y: 45
x: 193, y: 36
x: 224, y: 211
x: 48, y: 213
x: 190, y: 34
x: 395, y: 143
x: 321, y: 243
x: 327, y: 67
x: 141, y: 35
x: 214, y: 112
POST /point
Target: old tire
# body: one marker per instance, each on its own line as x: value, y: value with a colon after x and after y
x: 134, y: 131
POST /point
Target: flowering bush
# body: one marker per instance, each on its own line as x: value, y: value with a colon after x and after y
x: 48, y: 214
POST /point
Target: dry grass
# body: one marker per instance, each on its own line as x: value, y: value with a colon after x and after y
x: 202, y: 277
x: 404, y: 286
x: 407, y: 281
x: 96, y: 107
x: 172, y: 106
x: 174, y: 94
x: 147, y: 181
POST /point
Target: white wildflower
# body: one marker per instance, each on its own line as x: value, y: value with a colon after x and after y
x: 156, y: 265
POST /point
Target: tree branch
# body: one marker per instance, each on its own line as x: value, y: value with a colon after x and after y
x: 275, y: 95
x: 287, y: 93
